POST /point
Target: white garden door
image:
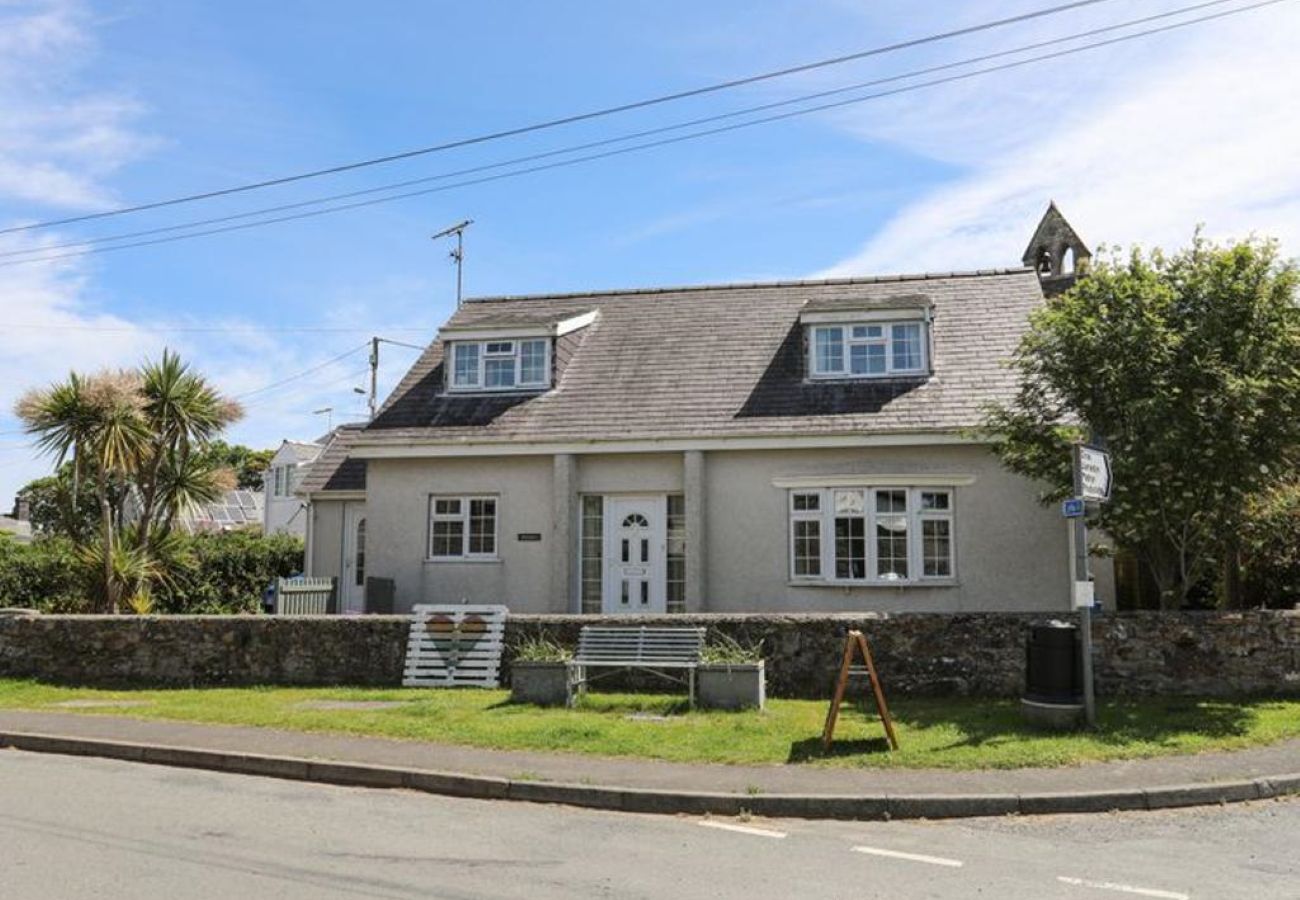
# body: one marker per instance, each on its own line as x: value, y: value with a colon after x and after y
x: 636, y: 560
x: 352, y: 586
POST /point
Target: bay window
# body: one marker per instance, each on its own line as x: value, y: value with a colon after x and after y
x: 879, y: 535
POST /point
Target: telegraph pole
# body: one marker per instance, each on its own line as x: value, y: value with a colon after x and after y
x: 372, y: 400
x: 458, y: 254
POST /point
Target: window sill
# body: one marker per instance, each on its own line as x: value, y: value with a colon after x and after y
x: 873, y: 585
x: 462, y: 560
x: 478, y: 392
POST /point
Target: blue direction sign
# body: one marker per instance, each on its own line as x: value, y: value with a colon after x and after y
x: 1072, y: 508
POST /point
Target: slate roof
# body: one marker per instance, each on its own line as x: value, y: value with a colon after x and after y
x: 724, y: 361
x: 332, y: 470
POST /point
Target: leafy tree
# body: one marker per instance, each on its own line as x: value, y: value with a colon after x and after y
x: 249, y: 465
x: 1187, y: 366
x: 1270, y: 547
x: 147, y: 429
x: 65, y: 504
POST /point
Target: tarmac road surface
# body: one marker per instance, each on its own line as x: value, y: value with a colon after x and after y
x: 90, y: 828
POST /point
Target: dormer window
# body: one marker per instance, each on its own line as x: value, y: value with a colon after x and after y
x: 500, y: 365
x: 867, y: 349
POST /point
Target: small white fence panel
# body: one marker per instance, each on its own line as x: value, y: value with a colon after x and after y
x: 455, y: 646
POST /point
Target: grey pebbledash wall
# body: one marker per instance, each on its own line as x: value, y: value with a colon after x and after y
x: 1193, y: 653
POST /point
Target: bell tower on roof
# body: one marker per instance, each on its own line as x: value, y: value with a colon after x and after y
x: 1056, y: 252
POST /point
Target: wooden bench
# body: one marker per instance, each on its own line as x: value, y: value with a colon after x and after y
x: 658, y: 651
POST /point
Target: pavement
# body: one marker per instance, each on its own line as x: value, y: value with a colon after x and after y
x: 637, y: 785
x: 81, y: 828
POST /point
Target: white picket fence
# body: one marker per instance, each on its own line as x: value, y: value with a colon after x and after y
x: 455, y: 646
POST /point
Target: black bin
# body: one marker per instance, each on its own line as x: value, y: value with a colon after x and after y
x: 1052, y: 658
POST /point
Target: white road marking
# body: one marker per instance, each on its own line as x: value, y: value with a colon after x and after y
x: 1124, y: 888
x: 914, y: 857
x: 743, y: 829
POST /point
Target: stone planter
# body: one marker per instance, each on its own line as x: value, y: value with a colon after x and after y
x: 542, y: 683
x: 734, y: 686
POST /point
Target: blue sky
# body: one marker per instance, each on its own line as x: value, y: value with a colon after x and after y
x: 106, y: 104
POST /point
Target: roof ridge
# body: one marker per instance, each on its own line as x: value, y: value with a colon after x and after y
x: 751, y: 285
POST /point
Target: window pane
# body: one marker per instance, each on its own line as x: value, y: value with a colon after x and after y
x: 936, y: 548
x: 934, y: 500
x: 807, y: 502
x: 850, y: 548
x: 891, y: 501
x: 449, y: 506
x: 861, y: 332
x: 891, y: 546
x: 807, y: 548
x: 499, y: 372
x: 848, y: 502
x: 829, y: 350
x: 448, y: 538
x: 501, y: 347
x: 482, y: 526
x: 676, y: 582
x: 907, y: 347
x: 867, y: 359
x: 592, y: 552
x: 532, y: 362
x: 466, y: 365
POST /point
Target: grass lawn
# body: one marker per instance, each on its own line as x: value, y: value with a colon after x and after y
x: 933, y: 733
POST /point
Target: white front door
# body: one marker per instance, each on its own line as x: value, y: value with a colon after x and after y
x: 636, y: 559
x: 352, y: 586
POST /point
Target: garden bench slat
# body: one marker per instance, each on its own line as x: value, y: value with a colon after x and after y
x: 635, y: 647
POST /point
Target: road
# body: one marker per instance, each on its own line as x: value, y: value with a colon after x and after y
x: 85, y: 828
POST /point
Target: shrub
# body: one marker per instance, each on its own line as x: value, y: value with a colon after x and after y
x: 541, y: 648
x: 226, y: 572
x: 724, y: 650
x: 44, y: 575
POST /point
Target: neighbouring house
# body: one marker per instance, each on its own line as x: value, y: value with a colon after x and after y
x: 795, y: 446
x: 284, y: 512
x: 235, y: 509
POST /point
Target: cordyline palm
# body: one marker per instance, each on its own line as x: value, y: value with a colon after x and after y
x: 145, y: 430
x: 184, y: 414
x: 98, y: 421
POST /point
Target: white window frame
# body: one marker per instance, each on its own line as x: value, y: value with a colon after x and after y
x: 515, y: 353
x: 463, y: 516
x: 848, y: 342
x: 915, y: 516
x: 804, y: 515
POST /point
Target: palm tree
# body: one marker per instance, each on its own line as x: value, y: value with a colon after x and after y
x: 98, y: 421
x: 144, y: 431
x: 185, y: 413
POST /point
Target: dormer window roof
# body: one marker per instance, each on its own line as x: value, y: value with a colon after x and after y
x: 886, y: 337
x: 510, y: 354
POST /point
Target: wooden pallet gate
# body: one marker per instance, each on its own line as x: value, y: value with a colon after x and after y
x: 855, y: 642
x: 455, y: 646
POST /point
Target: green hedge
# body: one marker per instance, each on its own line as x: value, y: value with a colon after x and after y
x: 224, y: 572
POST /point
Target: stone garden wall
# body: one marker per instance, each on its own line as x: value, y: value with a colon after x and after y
x: 1193, y: 653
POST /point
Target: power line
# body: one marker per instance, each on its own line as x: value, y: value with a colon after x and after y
x: 668, y: 141
x: 304, y: 373
x: 217, y: 329
x: 91, y: 242
x: 567, y: 120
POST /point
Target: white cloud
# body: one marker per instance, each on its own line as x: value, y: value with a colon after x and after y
x: 1137, y: 144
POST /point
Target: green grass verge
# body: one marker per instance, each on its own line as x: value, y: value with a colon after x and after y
x: 933, y: 733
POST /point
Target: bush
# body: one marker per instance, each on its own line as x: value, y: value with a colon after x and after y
x: 226, y: 572
x: 44, y: 575
x: 1270, y: 548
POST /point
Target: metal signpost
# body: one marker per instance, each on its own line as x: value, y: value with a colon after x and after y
x: 1092, y: 480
